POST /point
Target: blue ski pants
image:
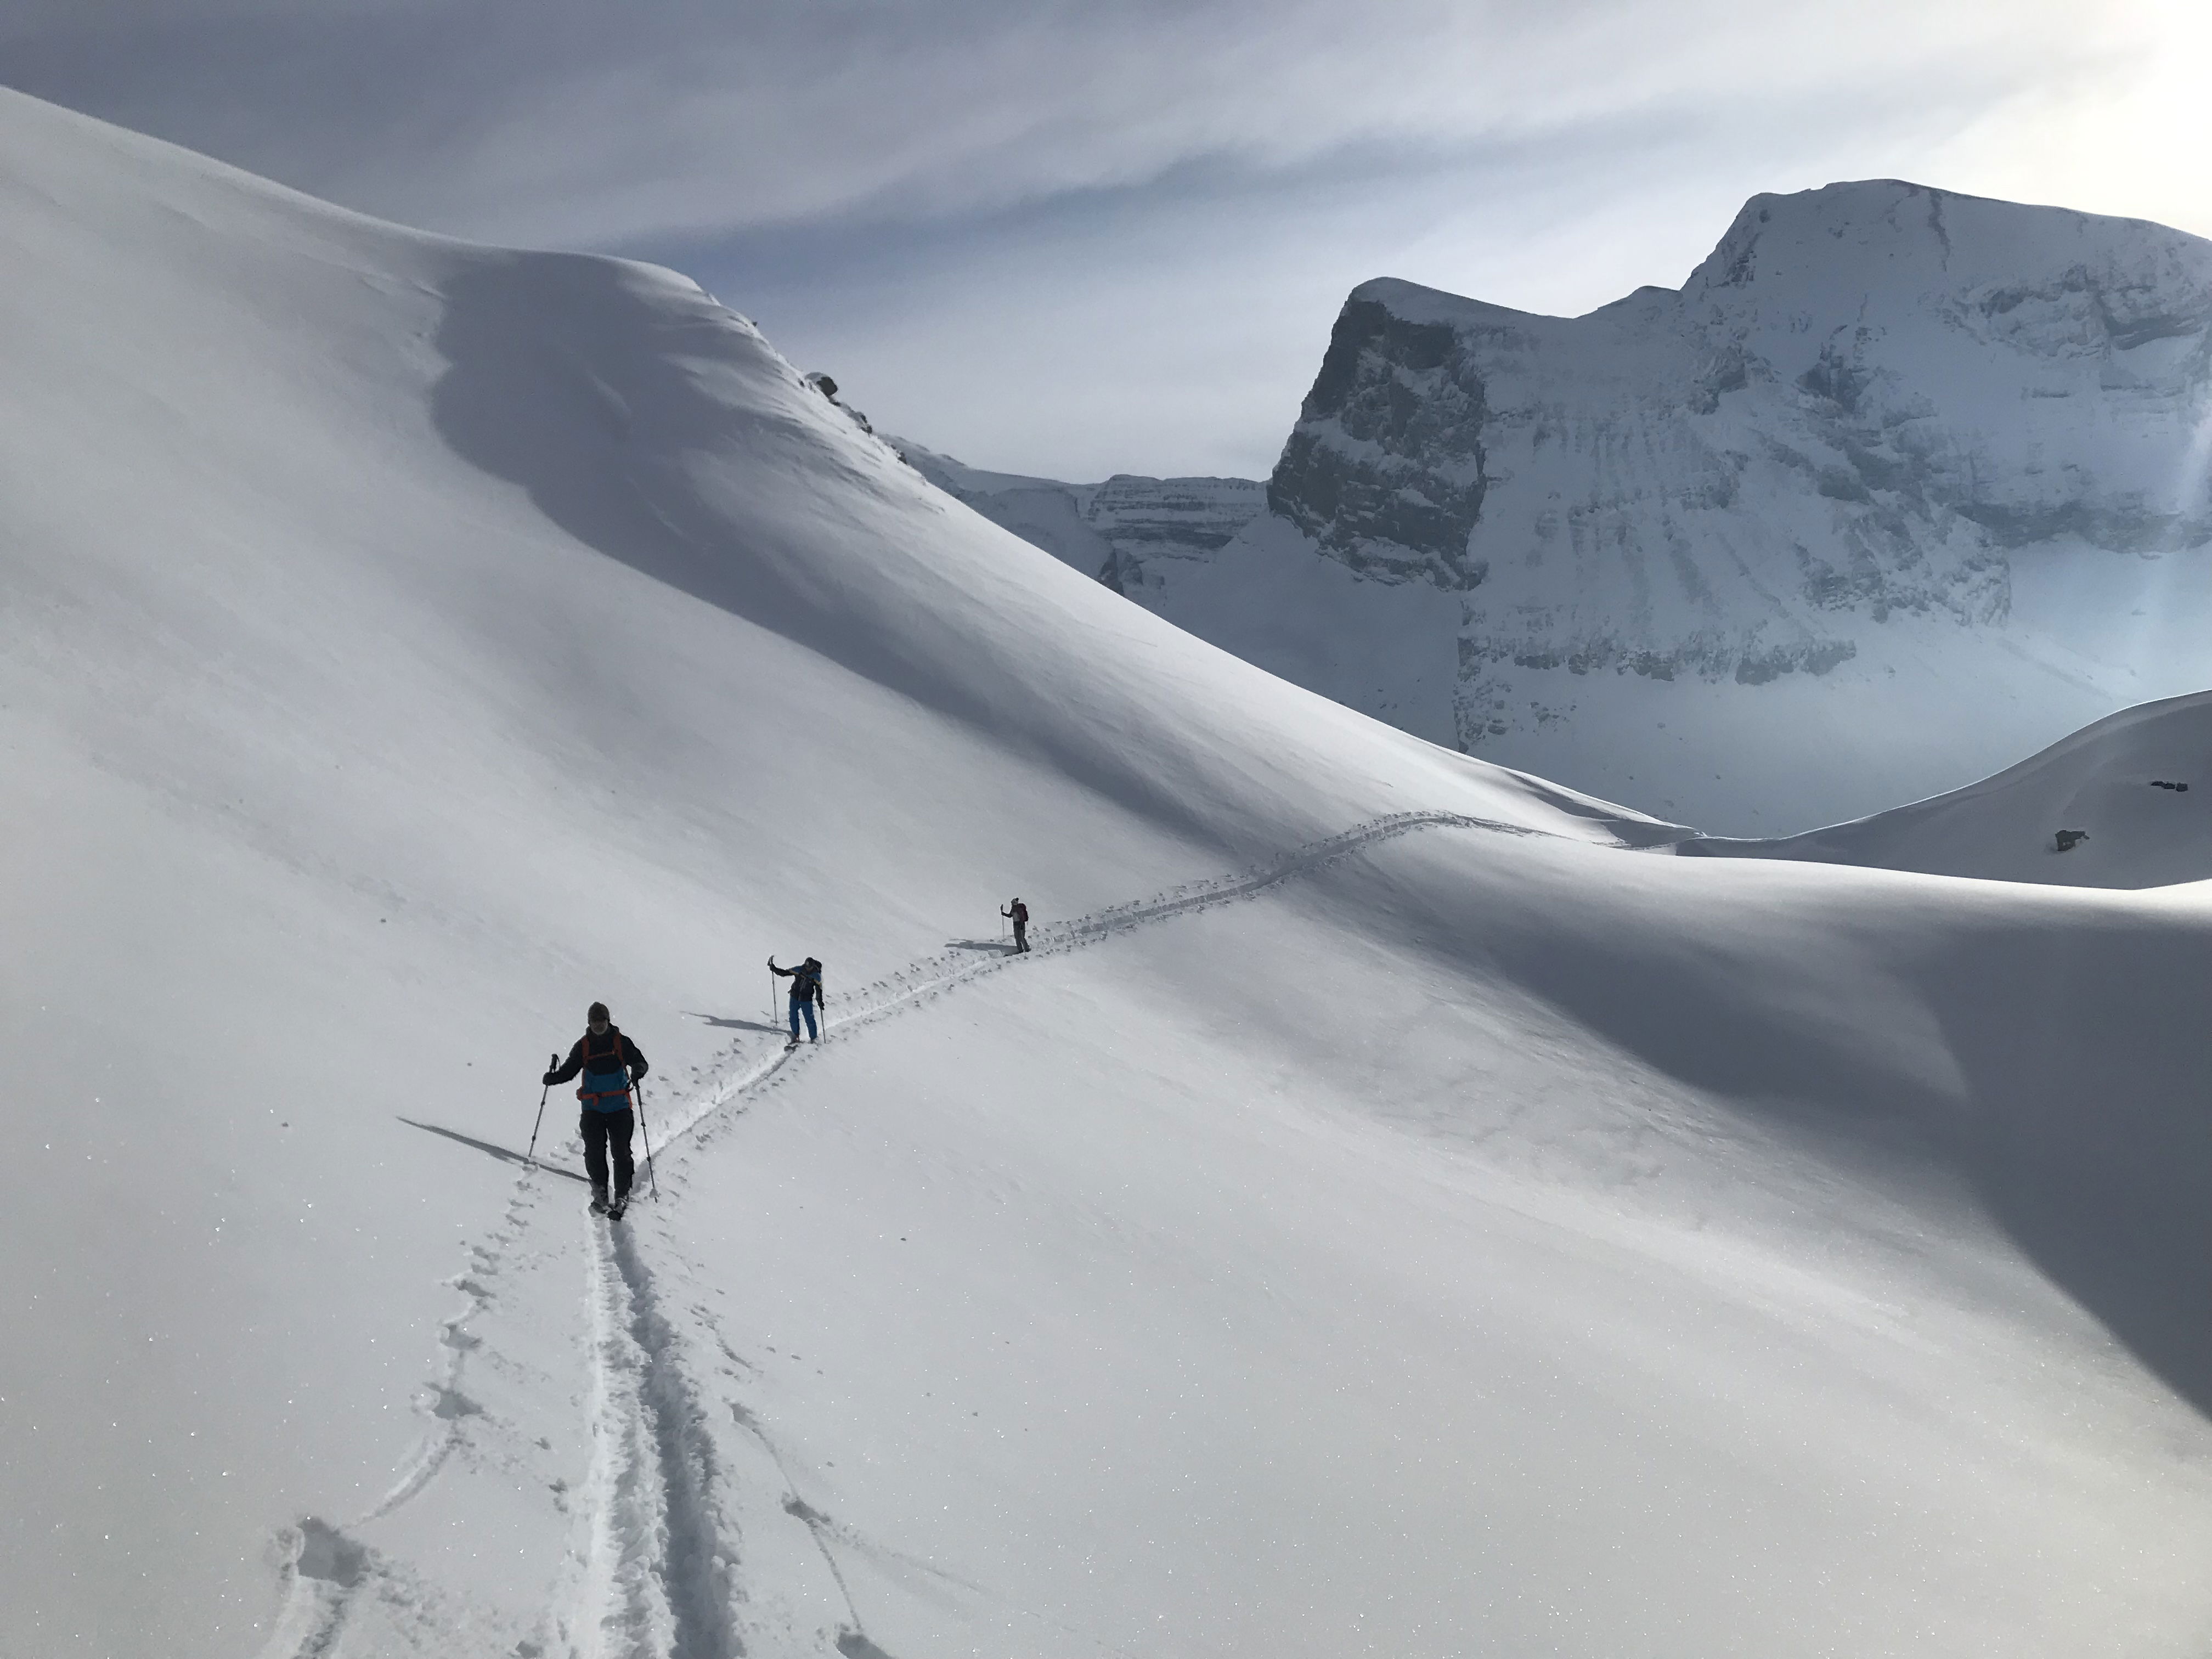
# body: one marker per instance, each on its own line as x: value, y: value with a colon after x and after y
x: 806, y: 1008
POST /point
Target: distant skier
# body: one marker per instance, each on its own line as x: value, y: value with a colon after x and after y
x: 1020, y: 912
x: 611, y: 1063
x: 805, y: 994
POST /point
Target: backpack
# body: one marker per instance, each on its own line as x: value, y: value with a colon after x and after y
x: 621, y: 1065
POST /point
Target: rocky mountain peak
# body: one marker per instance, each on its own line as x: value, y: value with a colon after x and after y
x: 1873, y: 403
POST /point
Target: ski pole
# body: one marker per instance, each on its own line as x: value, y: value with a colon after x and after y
x: 530, y: 1158
x: 652, y: 1178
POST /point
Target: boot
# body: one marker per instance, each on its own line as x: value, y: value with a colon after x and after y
x: 598, y: 1198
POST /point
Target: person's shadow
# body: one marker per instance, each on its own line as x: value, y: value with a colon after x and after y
x: 1004, y: 947
x: 734, y: 1024
x: 505, y: 1155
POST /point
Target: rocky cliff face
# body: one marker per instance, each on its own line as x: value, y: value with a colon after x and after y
x: 1385, y: 466
x: 1144, y: 521
x: 1882, y: 431
x: 1898, y: 488
x: 1862, y: 405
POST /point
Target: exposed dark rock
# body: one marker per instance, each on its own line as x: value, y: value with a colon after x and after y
x: 1385, y: 467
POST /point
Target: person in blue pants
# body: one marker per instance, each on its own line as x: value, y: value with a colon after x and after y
x: 611, y: 1063
x: 805, y: 994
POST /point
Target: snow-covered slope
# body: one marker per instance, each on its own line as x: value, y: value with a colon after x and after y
x: 1121, y: 531
x: 407, y: 644
x: 1386, y: 1211
x: 2113, y: 805
x: 1728, y: 552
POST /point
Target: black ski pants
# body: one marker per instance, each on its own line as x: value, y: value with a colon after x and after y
x: 1021, y: 937
x: 604, y: 1131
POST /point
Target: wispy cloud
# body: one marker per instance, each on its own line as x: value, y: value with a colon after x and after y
x: 1025, y: 223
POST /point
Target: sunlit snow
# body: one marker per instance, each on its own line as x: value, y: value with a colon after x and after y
x: 1400, y: 1207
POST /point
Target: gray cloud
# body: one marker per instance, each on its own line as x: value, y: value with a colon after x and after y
x: 1029, y: 222
x: 578, y: 120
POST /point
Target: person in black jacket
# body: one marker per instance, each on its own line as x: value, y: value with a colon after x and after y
x: 1020, y: 916
x: 611, y: 1063
x: 805, y: 994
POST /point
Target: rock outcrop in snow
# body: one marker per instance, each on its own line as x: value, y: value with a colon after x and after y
x: 1385, y: 467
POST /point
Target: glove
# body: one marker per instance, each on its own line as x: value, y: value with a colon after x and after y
x: 550, y: 1079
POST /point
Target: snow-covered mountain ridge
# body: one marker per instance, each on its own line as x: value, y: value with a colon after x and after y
x: 1955, y: 375
x: 1900, y: 486
x: 1118, y: 531
x: 1874, y: 404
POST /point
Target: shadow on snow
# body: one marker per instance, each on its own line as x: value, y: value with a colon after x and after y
x: 505, y: 1155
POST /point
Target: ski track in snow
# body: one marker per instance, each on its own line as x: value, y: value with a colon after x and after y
x: 918, y: 981
x: 656, y: 1575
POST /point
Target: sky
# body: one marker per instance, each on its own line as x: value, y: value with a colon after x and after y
x: 1081, y: 239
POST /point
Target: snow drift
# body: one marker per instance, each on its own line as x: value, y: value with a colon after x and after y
x: 1389, y: 1210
